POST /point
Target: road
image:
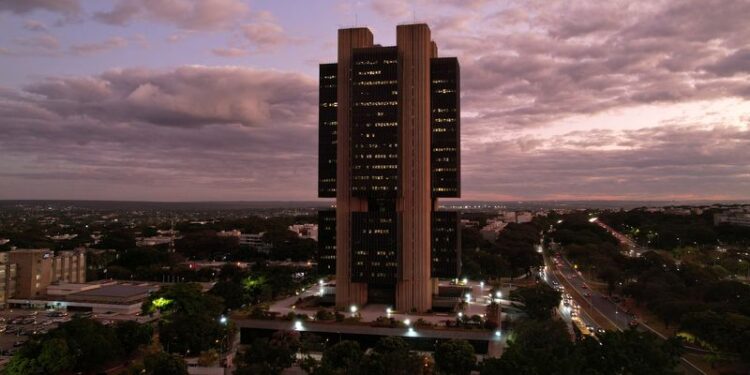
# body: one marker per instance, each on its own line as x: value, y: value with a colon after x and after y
x: 598, y: 303
x: 566, y: 312
x: 634, y: 249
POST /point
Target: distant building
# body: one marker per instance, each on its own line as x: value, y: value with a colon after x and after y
x: 466, y: 223
x: 524, y: 217
x: 493, y: 228
x: 63, y: 237
x: 737, y: 217
x: 153, y: 241
x: 678, y: 211
x: 229, y: 233
x: 255, y: 241
x: 508, y: 216
x: 305, y: 230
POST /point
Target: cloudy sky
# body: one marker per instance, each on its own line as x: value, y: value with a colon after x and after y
x: 216, y: 99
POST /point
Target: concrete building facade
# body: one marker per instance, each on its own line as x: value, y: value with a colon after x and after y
x: 36, y: 269
x: 394, y: 146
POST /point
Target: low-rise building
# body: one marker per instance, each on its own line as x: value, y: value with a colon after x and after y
x: 229, y: 233
x: 524, y: 217
x: 255, y: 241
x: 305, y: 230
x: 97, y: 297
x: 493, y: 228
x: 153, y: 241
x: 736, y: 217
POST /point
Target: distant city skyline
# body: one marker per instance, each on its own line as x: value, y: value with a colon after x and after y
x: 216, y: 100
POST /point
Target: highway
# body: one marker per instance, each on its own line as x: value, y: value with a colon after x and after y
x: 596, y: 303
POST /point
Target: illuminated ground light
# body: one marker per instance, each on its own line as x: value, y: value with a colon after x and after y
x: 407, y: 322
x: 388, y: 311
x: 497, y: 333
x: 353, y: 309
x: 468, y: 297
x: 161, y: 302
x: 298, y: 325
x: 498, y: 294
x: 411, y: 332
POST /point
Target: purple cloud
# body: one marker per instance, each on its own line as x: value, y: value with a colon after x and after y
x: 185, y: 14
x: 25, y: 6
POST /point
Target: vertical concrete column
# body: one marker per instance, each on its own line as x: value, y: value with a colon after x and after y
x: 347, y: 293
x: 414, y: 289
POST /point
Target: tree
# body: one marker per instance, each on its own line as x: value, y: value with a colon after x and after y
x: 455, y: 357
x: 55, y: 356
x: 535, y: 347
x: 539, y: 300
x: 132, y: 335
x: 632, y: 352
x: 119, y: 239
x: 269, y: 356
x: 341, y: 358
x: 190, y: 333
x: 161, y: 363
x: 190, y: 318
x: 231, y: 292
x: 392, y: 355
x: 81, y: 345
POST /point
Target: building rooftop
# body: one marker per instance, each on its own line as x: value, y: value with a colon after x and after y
x: 116, y: 290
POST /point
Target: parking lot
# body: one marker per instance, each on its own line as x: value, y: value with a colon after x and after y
x: 18, y: 325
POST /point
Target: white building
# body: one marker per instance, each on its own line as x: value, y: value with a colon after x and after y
x: 524, y: 217
x: 305, y: 230
x: 493, y: 228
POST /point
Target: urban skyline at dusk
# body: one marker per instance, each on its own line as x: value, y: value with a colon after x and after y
x: 217, y: 100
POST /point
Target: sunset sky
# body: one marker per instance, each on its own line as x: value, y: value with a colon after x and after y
x: 184, y: 100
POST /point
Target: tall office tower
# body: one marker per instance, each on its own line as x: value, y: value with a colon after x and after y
x: 389, y: 123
